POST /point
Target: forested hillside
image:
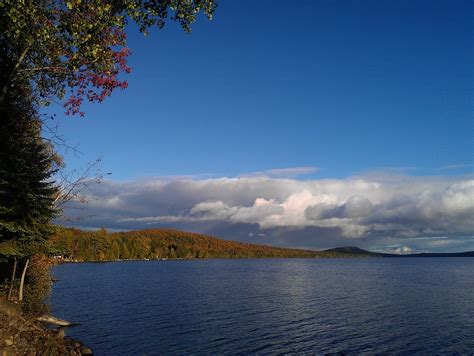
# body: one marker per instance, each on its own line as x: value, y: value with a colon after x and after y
x: 100, y: 245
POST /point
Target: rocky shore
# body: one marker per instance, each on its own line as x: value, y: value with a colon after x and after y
x: 20, y: 336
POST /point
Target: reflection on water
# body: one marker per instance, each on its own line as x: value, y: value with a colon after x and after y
x: 270, y: 306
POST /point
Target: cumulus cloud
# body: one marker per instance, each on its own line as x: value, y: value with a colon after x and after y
x: 363, y: 207
x: 355, y: 207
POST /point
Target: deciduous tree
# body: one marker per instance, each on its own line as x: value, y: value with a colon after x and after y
x: 76, y: 50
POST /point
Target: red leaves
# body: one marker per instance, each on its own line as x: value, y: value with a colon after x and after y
x: 73, y: 105
x: 95, y: 83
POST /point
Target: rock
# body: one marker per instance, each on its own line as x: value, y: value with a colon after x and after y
x: 9, y: 342
x: 86, y: 351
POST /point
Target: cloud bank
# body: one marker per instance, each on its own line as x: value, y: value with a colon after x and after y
x: 373, y: 211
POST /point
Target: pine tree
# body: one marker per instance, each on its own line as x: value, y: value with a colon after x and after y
x: 27, y: 188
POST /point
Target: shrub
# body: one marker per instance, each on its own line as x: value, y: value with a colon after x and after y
x: 37, y: 286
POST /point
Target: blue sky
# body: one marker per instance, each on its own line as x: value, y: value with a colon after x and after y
x: 344, y: 88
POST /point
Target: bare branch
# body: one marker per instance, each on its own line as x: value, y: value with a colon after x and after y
x: 51, y: 134
x: 74, y: 185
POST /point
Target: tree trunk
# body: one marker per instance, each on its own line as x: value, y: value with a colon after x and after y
x: 12, y: 281
x: 22, y: 281
x: 13, y: 73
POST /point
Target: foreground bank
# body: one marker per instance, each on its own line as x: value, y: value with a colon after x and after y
x: 22, y: 336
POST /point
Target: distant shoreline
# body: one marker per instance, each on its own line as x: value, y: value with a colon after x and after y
x: 381, y: 255
x: 73, y: 245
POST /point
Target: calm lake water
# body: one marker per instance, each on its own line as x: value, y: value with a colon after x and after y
x: 403, y: 305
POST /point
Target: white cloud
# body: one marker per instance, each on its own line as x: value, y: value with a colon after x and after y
x: 456, y: 166
x: 398, y: 249
x: 360, y: 207
x: 258, y: 234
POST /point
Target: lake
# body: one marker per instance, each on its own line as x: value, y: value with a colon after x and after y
x: 268, y: 306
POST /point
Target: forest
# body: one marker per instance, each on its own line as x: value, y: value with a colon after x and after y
x: 77, y: 245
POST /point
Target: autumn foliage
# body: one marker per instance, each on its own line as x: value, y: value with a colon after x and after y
x: 76, y: 50
x: 100, y: 245
x: 157, y: 244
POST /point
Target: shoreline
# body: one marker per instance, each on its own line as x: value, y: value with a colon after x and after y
x: 377, y: 256
x: 219, y: 258
x: 20, y: 335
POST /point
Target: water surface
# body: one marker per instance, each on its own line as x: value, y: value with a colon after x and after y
x: 403, y: 305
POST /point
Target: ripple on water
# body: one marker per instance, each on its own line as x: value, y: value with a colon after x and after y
x: 270, y: 306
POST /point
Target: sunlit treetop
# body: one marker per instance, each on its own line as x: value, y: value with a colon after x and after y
x: 76, y: 50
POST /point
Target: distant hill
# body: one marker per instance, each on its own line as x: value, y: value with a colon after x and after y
x: 353, y: 251
x: 433, y: 254
x: 100, y: 245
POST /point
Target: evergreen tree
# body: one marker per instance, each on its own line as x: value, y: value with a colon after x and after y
x: 27, y: 189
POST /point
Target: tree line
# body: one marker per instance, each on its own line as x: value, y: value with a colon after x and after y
x: 77, y: 245
x: 74, y: 244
